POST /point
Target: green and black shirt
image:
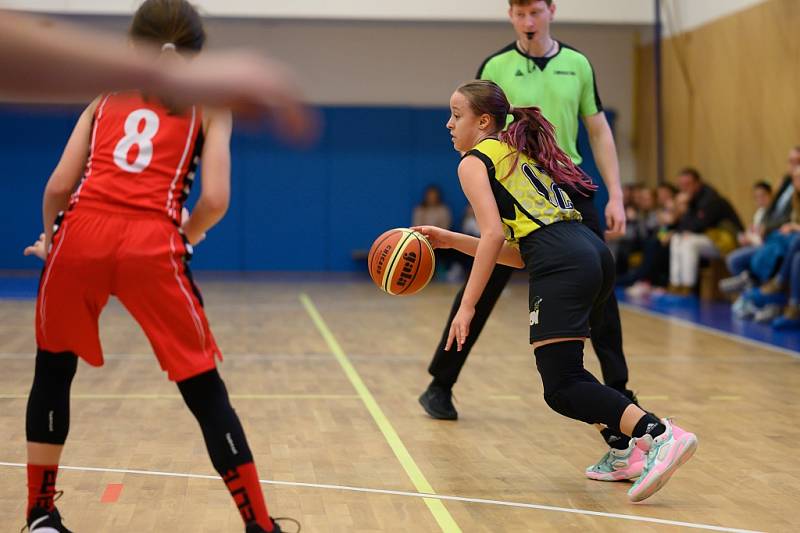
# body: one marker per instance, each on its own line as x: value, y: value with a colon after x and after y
x: 562, y: 86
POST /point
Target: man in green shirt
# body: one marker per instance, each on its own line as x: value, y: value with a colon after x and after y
x: 537, y: 70
x: 563, y: 86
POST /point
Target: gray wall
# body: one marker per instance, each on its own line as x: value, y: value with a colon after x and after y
x: 419, y: 63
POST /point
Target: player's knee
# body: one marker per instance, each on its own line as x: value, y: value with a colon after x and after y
x: 558, y: 401
x: 47, y: 417
x: 207, y: 399
x: 55, y: 369
x: 560, y: 365
x: 205, y: 395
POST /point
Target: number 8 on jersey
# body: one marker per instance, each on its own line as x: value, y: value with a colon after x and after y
x: 143, y: 140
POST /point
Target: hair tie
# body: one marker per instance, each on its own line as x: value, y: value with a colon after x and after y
x: 168, y: 46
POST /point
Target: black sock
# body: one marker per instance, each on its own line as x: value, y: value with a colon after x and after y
x: 648, y: 425
x: 616, y: 440
x: 440, y: 384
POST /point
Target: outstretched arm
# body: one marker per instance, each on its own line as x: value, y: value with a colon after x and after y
x: 443, y: 238
x: 47, y: 60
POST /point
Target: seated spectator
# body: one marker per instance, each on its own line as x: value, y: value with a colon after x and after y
x: 647, y: 214
x: 628, y: 192
x: 753, y: 264
x: 780, y: 210
x: 707, y: 230
x: 738, y: 261
x: 789, y: 276
x: 665, y: 196
x: 762, y: 197
x: 631, y: 242
x: 652, y: 274
x: 774, y: 292
x: 469, y: 224
x: 432, y: 211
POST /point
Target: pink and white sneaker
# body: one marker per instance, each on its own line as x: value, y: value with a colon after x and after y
x: 618, y: 465
x: 665, y: 454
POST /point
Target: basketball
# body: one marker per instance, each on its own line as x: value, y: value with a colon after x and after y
x: 401, y: 262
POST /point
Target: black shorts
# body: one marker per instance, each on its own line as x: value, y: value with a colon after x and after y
x: 571, y: 275
x: 585, y: 206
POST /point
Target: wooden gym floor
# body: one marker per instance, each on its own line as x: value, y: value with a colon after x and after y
x: 325, y: 378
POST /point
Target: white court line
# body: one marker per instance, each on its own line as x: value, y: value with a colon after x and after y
x: 708, y: 329
x: 414, y: 495
x: 409, y: 359
x: 241, y: 357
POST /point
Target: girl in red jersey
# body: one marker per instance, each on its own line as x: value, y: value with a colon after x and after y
x: 123, y: 235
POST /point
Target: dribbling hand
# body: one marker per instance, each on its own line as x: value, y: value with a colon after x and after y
x: 39, y: 248
x: 438, y: 237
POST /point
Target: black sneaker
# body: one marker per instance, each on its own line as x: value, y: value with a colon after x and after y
x: 43, y: 521
x: 438, y: 403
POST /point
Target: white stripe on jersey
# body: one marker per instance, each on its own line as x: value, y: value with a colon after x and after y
x: 43, y: 291
x: 77, y: 195
x: 171, y: 194
x: 198, y: 323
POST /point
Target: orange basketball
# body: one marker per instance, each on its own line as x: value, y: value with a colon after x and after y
x: 401, y: 262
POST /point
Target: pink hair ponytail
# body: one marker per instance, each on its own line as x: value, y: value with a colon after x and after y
x: 533, y: 135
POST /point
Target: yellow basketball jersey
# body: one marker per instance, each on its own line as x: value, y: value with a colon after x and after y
x: 526, y: 196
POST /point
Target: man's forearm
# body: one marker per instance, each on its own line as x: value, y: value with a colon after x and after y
x: 67, y: 62
x: 605, y: 155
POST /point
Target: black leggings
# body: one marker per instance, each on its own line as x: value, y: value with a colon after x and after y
x: 47, y: 419
x: 207, y: 399
x: 47, y: 416
x: 570, y: 390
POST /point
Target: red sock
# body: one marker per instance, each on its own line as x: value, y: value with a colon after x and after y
x: 246, y: 492
x: 41, y: 486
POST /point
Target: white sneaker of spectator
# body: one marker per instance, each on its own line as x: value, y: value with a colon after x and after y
x: 744, y: 309
x: 735, y: 284
x: 640, y: 289
x: 768, y: 313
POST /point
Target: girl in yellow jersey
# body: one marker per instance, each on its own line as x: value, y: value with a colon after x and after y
x: 513, y: 179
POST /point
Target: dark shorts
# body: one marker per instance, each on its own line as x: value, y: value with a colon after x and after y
x: 571, y: 275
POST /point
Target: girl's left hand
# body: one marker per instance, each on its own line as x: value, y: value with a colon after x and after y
x: 459, y: 328
x: 39, y: 248
x: 184, y: 217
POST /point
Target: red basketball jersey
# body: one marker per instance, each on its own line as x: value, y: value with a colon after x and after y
x: 142, y: 157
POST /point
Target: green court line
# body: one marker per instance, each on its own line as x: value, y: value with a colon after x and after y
x: 436, y: 507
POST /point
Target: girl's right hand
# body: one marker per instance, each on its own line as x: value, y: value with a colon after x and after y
x: 438, y: 237
x: 39, y: 248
